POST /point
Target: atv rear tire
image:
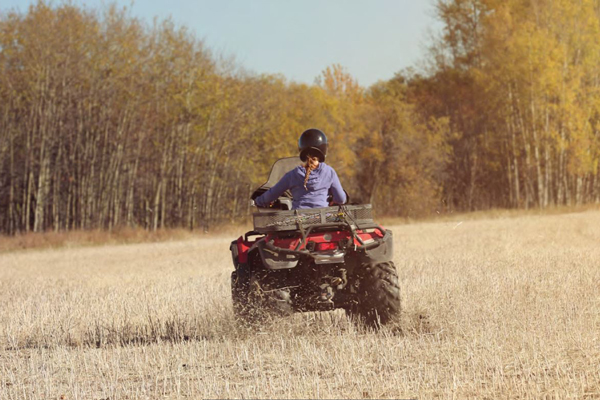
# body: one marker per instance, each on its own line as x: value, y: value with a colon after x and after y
x: 252, y: 304
x: 277, y: 302
x: 378, y: 295
x: 240, y: 290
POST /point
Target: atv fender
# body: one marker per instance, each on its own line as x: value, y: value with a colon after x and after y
x: 383, y: 252
x: 241, y: 247
x: 235, y: 256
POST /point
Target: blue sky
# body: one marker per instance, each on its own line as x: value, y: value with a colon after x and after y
x: 299, y: 38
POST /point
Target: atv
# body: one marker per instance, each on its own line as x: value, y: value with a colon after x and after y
x: 316, y: 259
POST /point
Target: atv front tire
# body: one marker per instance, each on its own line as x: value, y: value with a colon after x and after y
x: 378, y: 299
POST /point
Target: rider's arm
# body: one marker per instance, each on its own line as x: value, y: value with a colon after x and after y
x: 273, y: 194
x: 339, y: 196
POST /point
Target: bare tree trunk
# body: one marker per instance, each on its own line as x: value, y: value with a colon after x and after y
x: 515, y: 159
x: 578, y: 190
x: 155, y: 210
x: 472, y: 177
x: 13, y: 223
x: 597, y: 184
x: 131, y: 184
x: 40, y: 203
x: 56, y: 199
x: 548, y: 188
x: 539, y: 175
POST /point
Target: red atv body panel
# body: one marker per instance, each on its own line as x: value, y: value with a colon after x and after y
x: 244, y: 246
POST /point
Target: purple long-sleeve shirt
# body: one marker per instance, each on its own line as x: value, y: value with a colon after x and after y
x: 321, y: 182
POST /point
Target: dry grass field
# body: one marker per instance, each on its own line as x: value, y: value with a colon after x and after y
x: 493, y: 308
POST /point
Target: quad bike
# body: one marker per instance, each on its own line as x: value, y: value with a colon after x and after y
x: 313, y: 260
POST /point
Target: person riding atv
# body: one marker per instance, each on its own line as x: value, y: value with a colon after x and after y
x: 311, y: 183
x: 304, y: 255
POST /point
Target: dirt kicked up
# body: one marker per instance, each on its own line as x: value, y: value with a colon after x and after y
x: 491, y: 308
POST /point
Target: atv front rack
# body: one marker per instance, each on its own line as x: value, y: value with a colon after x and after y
x: 278, y: 221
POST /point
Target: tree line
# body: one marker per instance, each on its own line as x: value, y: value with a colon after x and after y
x: 107, y: 121
x: 520, y: 82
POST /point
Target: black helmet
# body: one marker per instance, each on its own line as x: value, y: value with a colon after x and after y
x: 313, y: 142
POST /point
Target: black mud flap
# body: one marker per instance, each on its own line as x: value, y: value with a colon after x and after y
x: 277, y: 260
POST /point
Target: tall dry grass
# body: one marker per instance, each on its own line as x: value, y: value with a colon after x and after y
x: 502, y: 308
